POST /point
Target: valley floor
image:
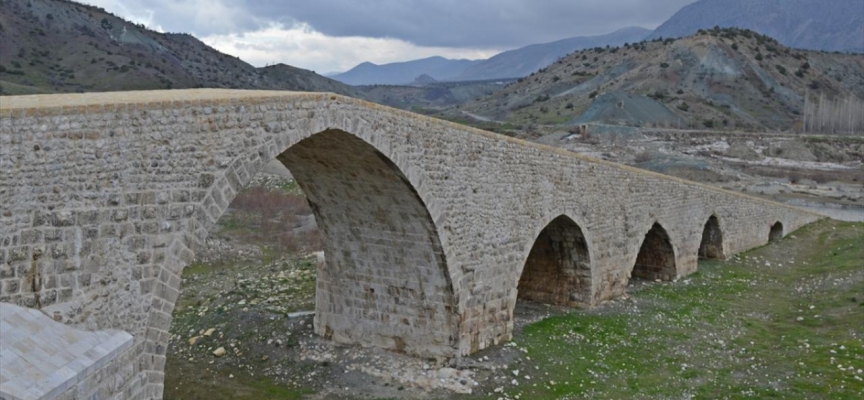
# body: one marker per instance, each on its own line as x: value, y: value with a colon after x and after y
x: 782, y: 321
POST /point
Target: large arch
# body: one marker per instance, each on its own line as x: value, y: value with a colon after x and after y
x: 385, y: 281
x: 776, y: 232
x: 711, y: 245
x: 656, y: 258
x: 558, y: 268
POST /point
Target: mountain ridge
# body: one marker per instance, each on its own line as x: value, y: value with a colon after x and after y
x: 52, y: 46
x: 804, y: 24
x: 508, y: 64
x: 525, y: 60
x: 398, y: 73
x: 727, y: 78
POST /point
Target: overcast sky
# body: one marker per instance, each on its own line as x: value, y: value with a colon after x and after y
x: 335, y: 35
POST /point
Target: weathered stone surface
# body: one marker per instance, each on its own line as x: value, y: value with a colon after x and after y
x: 428, y: 225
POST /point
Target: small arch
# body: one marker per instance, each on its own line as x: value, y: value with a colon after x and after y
x: 656, y: 258
x: 776, y: 232
x: 558, y: 268
x: 711, y: 246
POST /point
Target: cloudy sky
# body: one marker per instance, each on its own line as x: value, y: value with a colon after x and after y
x: 335, y: 35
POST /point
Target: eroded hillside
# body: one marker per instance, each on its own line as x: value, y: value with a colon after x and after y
x: 50, y: 46
x: 729, y: 78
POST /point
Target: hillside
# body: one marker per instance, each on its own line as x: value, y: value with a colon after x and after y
x: 439, y: 68
x: 836, y: 25
x: 523, y: 61
x: 431, y: 96
x: 52, y: 46
x: 717, y: 79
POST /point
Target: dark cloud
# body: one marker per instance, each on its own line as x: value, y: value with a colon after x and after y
x: 469, y: 23
x: 450, y: 23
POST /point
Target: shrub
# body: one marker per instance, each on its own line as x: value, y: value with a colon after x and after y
x: 664, y: 65
x: 708, y: 123
x: 759, y: 57
x: 684, y: 107
x: 592, y: 95
x: 781, y: 69
x: 644, y: 156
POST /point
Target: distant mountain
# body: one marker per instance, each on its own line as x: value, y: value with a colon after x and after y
x: 832, y: 25
x: 523, y: 61
x: 729, y: 78
x: 49, y: 46
x: 439, y: 68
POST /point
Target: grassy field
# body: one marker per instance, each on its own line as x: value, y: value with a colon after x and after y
x: 782, y: 321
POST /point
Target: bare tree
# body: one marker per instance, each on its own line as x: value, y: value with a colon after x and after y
x: 837, y: 116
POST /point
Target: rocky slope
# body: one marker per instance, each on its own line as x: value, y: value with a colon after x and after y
x: 52, y: 46
x: 835, y: 25
x: 716, y: 79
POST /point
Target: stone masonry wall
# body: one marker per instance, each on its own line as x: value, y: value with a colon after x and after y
x: 104, y: 198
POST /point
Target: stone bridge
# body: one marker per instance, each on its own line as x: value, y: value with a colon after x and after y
x: 433, y: 230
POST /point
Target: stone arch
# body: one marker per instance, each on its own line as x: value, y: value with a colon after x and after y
x: 776, y: 232
x: 711, y: 245
x: 385, y: 281
x: 656, y: 258
x: 558, y: 267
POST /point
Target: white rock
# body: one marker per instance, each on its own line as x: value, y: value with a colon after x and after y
x: 447, y: 373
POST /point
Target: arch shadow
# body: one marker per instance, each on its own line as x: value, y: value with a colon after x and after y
x: 656, y: 258
x: 711, y: 245
x: 558, y: 268
x: 776, y: 232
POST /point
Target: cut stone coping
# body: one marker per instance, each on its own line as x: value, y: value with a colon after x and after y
x: 41, y: 358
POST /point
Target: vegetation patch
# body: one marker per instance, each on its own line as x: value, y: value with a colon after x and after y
x: 782, y: 321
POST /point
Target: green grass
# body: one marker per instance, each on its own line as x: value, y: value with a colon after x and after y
x: 223, y: 383
x: 736, y: 329
x: 730, y: 331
